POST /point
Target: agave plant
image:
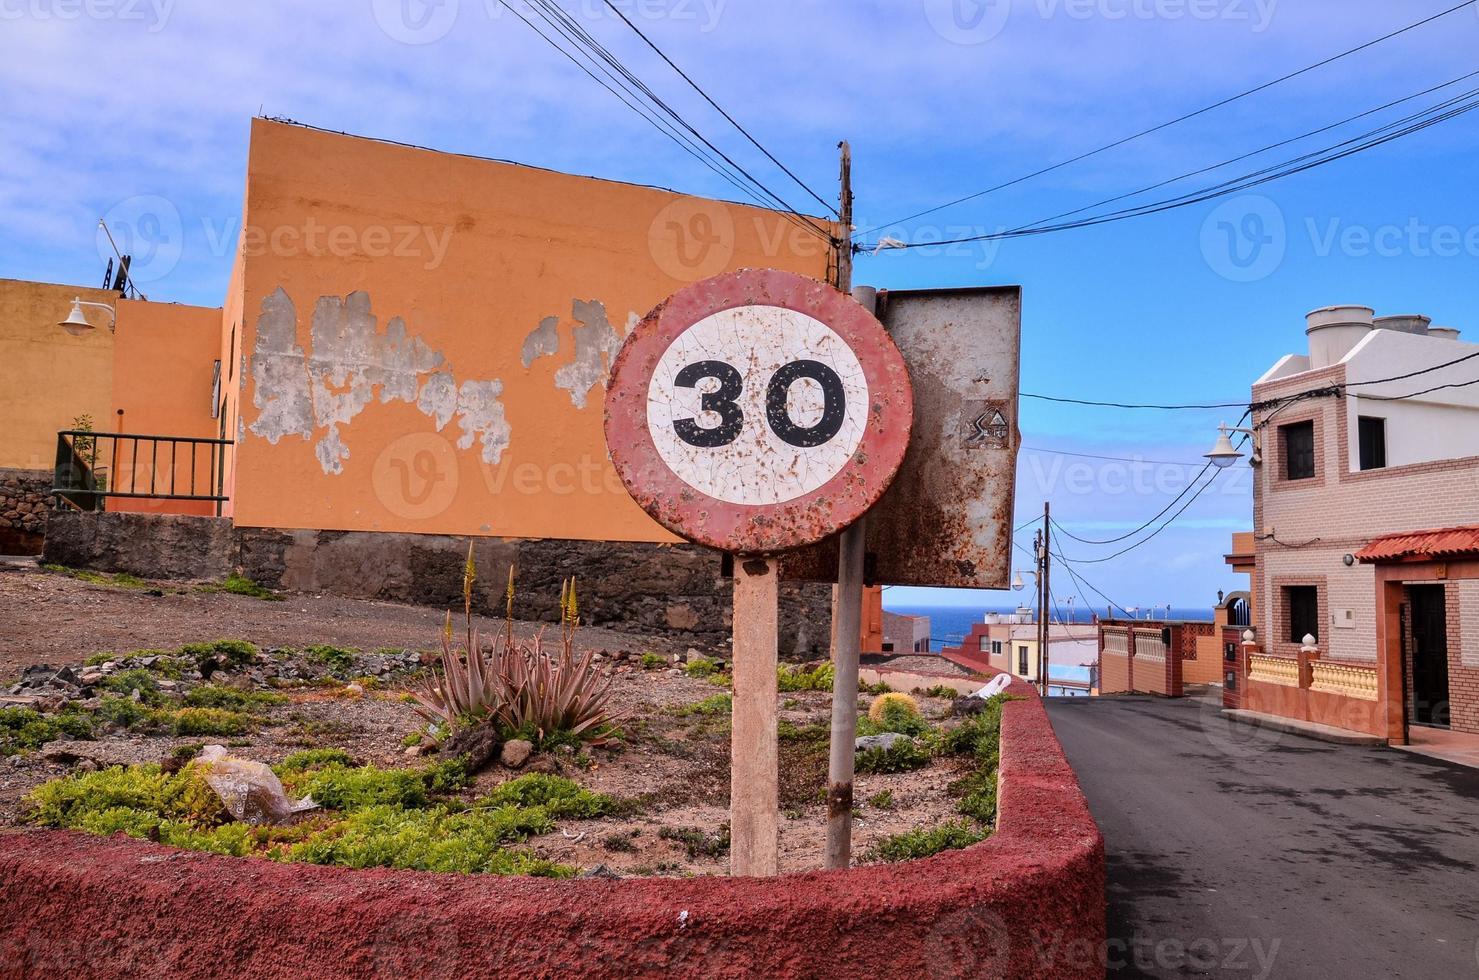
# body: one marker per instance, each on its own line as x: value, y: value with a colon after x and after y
x: 517, y: 688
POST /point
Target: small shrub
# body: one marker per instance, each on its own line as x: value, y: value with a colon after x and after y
x: 98, y: 659
x: 653, y: 661
x: 433, y: 840
x: 924, y: 842
x: 620, y: 843
x: 878, y: 688
x: 26, y: 729
x: 211, y: 696
x: 69, y: 801
x: 903, y: 756
x: 940, y: 691
x: 699, y: 667
x: 313, y: 759
x: 125, y: 682
x: 716, y: 704
x: 790, y: 732
x: 238, y: 584
x: 798, y: 679
x: 883, y: 800
x: 696, y: 843
x: 209, y: 721
x: 412, y: 739
x: 132, y: 715
x: 338, y: 787
x: 228, y: 653
x: 338, y: 660
x: 559, y: 797
x: 895, y: 712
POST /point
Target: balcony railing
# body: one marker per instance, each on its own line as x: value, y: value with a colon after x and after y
x: 93, y: 466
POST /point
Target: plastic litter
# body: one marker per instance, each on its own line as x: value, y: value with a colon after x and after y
x: 995, y: 686
x: 250, y: 791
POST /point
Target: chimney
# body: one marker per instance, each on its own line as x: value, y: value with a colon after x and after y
x: 1443, y: 333
x: 1334, y: 330
x: 1404, y: 323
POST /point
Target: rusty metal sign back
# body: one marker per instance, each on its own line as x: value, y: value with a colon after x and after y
x: 946, y: 518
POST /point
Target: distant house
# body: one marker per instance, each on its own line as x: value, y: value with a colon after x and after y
x: 1365, y: 549
x: 1009, y: 642
x: 905, y: 634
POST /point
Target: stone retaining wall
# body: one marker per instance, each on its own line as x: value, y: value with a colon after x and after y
x: 675, y: 590
x: 1026, y: 902
x: 25, y: 504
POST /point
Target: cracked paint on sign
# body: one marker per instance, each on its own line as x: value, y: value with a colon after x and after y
x: 349, y: 364
x: 595, y: 343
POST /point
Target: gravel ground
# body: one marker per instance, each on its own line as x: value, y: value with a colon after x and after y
x: 51, y: 618
x: 675, y: 764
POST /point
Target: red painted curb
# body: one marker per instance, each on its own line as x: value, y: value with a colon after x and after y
x: 1027, y: 902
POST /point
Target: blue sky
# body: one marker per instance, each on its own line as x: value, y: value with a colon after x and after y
x: 114, y: 106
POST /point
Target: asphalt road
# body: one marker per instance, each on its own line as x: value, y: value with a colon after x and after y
x: 1243, y: 852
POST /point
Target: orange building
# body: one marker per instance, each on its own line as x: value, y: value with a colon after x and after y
x: 410, y: 341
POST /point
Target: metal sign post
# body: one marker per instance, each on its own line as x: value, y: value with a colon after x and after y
x: 756, y: 412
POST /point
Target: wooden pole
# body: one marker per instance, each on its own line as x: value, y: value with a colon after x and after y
x: 847, y: 604
x: 1044, y: 560
x: 754, y: 803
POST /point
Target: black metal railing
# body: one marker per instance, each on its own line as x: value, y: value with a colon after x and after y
x: 93, y: 466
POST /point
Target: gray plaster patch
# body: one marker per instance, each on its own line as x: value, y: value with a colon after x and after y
x: 350, y: 364
x: 543, y: 339
x: 279, y: 378
x: 480, y: 414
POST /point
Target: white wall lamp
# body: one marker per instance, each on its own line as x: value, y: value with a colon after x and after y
x: 1018, y: 583
x: 76, y: 322
x: 1224, y: 455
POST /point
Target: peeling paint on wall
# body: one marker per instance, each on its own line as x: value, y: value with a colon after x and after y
x: 596, y: 342
x: 350, y: 364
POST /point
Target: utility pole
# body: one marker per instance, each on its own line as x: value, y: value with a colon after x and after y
x: 847, y: 604
x: 1044, y: 632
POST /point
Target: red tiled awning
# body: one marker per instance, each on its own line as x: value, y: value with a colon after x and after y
x: 1448, y: 542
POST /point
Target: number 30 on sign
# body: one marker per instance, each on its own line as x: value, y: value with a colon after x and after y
x: 758, y: 411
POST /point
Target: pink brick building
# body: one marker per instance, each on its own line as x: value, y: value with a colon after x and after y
x: 1369, y: 437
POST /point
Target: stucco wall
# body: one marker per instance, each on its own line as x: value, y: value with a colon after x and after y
x: 162, y: 372
x: 427, y: 335
x: 47, y: 376
x: 1027, y: 902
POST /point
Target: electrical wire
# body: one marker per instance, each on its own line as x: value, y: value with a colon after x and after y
x: 634, y: 88
x: 557, y: 18
x: 732, y: 121
x: 1099, y: 404
x: 1179, y: 119
x: 1432, y: 116
x: 1117, y: 459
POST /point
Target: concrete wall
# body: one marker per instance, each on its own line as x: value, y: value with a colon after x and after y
x: 47, y: 376
x: 427, y: 335
x: 677, y: 591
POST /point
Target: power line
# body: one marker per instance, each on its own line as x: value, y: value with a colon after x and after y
x: 1099, y: 404
x: 1179, y: 119
x: 634, y: 88
x: 556, y: 17
x: 1117, y: 459
x: 684, y: 75
x: 1432, y: 116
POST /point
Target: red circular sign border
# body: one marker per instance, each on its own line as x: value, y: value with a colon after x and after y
x: 758, y: 528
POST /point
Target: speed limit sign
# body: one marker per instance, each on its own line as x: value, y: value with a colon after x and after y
x: 758, y: 411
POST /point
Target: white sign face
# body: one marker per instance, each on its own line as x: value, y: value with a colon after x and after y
x: 757, y: 405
